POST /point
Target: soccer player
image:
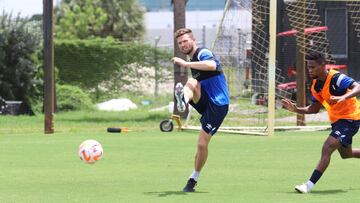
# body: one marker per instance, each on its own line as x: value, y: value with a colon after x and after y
x: 337, y: 93
x: 207, y: 92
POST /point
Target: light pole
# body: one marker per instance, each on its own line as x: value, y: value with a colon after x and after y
x: 157, y: 39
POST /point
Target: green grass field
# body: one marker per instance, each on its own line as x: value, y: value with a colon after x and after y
x: 146, y: 165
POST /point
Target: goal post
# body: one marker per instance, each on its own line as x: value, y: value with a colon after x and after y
x: 272, y: 68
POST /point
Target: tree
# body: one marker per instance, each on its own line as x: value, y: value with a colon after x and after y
x: 125, y: 19
x: 122, y: 20
x: 19, y: 40
x: 80, y: 19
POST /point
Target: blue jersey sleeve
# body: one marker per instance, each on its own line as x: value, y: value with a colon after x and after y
x: 207, y: 55
x: 344, y: 82
x: 340, y: 83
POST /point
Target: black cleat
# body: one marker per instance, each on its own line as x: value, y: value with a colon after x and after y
x: 190, y: 186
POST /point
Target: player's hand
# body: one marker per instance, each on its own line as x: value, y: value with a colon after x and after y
x: 179, y: 62
x: 289, y: 105
x: 336, y: 99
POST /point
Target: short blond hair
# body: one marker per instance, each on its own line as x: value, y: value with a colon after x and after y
x: 182, y: 31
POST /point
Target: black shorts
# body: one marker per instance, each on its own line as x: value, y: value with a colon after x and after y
x: 212, y: 115
x: 344, y: 130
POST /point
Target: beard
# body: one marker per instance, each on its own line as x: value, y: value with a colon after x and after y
x: 188, y: 52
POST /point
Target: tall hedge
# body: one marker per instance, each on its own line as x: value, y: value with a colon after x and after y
x: 87, y: 63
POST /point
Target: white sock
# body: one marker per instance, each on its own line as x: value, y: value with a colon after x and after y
x: 195, y: 175
x: 310, y: 185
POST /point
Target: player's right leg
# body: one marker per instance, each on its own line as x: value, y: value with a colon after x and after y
x: 330, y: 145
x: 211, y: 119
x: 202, y: 150
x: 200, y: 159
x: 191, y: 92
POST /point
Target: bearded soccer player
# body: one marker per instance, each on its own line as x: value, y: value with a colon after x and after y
x: 207, y: 92
x: 337, y: 93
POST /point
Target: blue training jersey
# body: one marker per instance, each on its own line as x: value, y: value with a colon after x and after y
x: 338, y: 85
x: 212, y: 82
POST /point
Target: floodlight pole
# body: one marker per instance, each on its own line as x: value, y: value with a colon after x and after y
x: 49, y: 90
x: 272, y: 68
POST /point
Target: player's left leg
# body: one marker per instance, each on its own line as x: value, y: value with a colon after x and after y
x: 190, y: 92
x: 346, y: 132
x: 349, y: 152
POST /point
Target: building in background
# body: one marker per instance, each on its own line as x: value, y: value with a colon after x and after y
x: 192, y: 5
x: 203, y: 17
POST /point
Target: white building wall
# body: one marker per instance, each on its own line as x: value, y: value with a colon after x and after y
x: 161, y: 24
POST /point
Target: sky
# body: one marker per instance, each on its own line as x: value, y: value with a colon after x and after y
x: 27, y: 8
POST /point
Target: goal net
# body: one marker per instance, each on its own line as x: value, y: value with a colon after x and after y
x: 354, y: 11
x: 242, y: 46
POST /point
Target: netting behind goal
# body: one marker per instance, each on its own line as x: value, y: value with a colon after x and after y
x: 354, y: 10
x: 303, y: 14
x: 242, y: 45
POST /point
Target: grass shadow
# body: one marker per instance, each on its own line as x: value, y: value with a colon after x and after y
x: 169, y: 193
x: 115, y: 118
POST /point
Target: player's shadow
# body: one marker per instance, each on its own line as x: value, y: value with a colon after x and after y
x: 321, y: 192
x: 169, y: 193
x: 328, y: 192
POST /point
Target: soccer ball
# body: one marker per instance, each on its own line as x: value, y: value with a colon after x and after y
x: 90, y: 151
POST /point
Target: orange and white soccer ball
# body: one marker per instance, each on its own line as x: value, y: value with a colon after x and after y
x: 90, y: 151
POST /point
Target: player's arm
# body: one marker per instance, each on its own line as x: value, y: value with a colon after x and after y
x: 207, y: 65
x: 354, y: 91
x: 310, y: 109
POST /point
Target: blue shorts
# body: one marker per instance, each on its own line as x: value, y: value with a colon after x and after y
x: 344, y: 130
x: 212, y: 115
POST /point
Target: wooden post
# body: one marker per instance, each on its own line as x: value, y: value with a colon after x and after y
x: 49, y: 90
x: 300, y: 84
x: 301, y: 66
x: 180, y: 74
